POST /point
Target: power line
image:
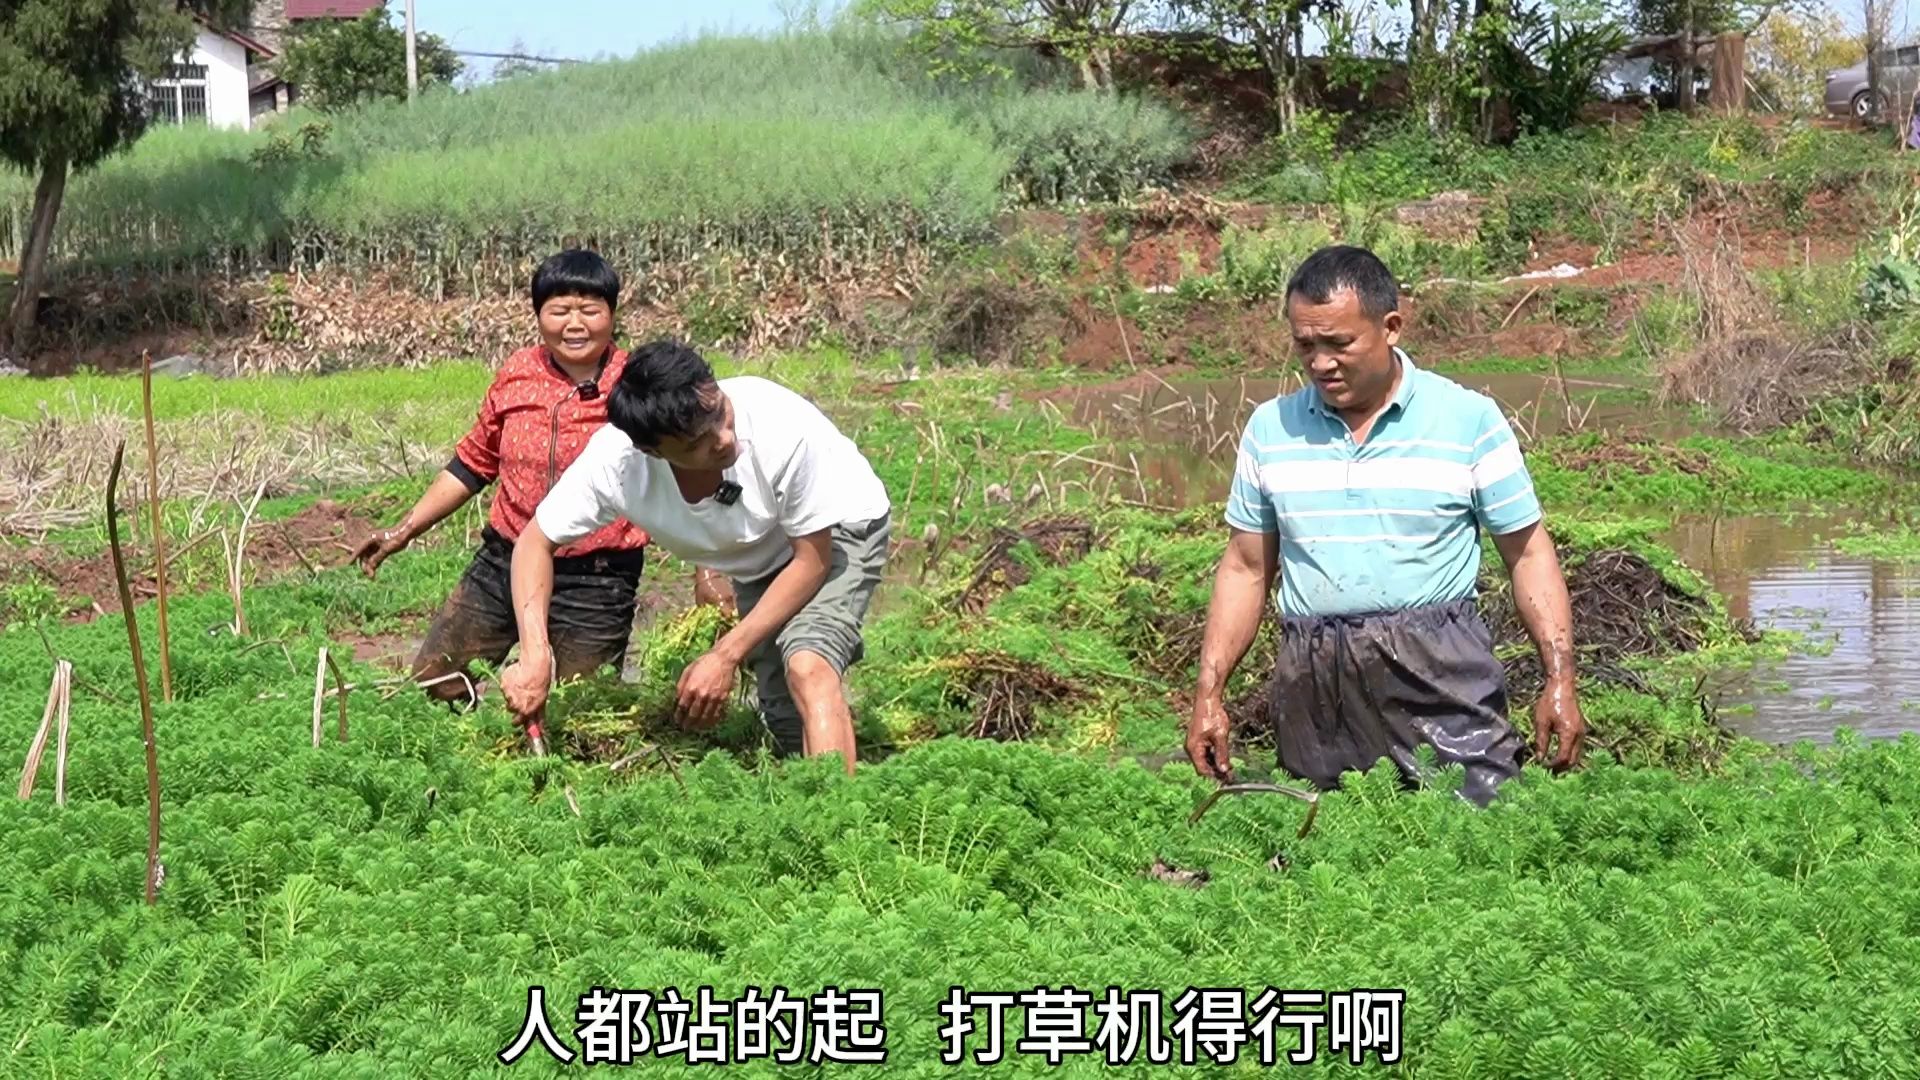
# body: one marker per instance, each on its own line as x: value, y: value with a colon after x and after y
x: 518, y: 56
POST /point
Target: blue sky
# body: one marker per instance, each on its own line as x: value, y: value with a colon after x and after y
x: 582, y: 28
x: 586, y: 29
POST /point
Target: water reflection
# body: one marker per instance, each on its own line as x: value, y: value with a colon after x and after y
x: 1778, y: 572
x: 1784, y: 573
x: 1191, y: 426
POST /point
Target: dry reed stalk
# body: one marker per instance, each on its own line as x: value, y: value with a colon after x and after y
x: 319, y: 691
x: 60, y: 753
x: 30, y: 771
x: 159, y: 530
x: 340, y: 685
x: 139, y: 674
x: 236, y: 562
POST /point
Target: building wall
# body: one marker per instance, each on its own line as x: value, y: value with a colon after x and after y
x: 226, y: 63
x: 268, y: 24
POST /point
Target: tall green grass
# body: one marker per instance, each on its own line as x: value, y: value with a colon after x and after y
x: 795, y: 146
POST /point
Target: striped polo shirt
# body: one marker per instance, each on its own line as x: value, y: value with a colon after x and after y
x: 1391, y: 523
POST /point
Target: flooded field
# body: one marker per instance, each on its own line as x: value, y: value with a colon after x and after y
x: 1780, y: 573
x: 1784, y: 574
x: 1192, y: 425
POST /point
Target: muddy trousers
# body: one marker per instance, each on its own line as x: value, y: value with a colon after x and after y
x: 1349, y: 690
x: 589, y: 618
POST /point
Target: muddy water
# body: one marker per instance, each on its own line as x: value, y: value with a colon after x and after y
x: 1864, y: 616
x: 1780, y: 573
x: 1190, y: 427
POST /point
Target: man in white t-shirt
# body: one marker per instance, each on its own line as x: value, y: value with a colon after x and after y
x: 746, y: 477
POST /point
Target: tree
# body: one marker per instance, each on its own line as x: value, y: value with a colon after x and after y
x: 1687, y: 21
x: 1084, y: 31
x: 1792, y: 53
x: 1273, y: 30
x: 340, y: 63
x: 71, y: 94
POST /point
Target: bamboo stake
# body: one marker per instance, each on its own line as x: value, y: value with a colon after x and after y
x: 159, y: 532
x: 319, y: 690
x: 340, y: 685
x: 60, y: 754
x: 139, y: 675
x: 236, y: 561
x: 31, y: 770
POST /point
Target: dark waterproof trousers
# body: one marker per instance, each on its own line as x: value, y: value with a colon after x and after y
x: 589, y: 617
x: 1349, y: 690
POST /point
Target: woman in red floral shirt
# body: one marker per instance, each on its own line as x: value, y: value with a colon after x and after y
x: 544, y: 403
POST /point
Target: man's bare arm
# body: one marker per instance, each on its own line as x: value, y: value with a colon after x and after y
x: 705, y: 684
x: 1540, y: 598
x: 1241, y: 585
x: 525, y: 683
x: 796, y: 584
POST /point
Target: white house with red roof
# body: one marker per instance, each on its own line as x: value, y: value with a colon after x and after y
x: 228, y: 78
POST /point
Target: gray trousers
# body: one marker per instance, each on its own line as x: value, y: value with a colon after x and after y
x: 828, y: 626
x: 1349, y: 690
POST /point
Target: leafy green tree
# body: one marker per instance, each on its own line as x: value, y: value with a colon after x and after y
x: 339, y: 63
x: 1274, y: 33
x: 71, y: 74
x: 1792, y: 52
x: 1084, y: 31
x: 1694, y: 19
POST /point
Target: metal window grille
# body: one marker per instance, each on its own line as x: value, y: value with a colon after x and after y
x: 180, y: 95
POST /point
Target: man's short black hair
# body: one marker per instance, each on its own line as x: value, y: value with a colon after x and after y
x: 1343, y: 266
x: 665, y: 391
x: 575, y: 272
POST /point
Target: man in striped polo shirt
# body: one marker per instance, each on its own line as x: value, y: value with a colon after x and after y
x: 1365, y: 493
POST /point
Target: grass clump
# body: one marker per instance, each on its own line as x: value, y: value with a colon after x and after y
x: 782, y: 150
x: 381, y: 906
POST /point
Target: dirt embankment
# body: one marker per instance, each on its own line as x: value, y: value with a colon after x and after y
x: 1060, y: 305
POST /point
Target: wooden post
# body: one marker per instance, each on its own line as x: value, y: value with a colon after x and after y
x: 1729, y: 91
x: 319, y: 692
x: 159, y: 528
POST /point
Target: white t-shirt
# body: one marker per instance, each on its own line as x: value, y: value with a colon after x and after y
x: 797, y: 474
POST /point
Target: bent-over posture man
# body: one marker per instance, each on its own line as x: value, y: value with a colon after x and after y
x: 746, y: 477
x: 1365, y: 493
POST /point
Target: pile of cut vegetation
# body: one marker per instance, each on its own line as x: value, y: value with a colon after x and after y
x: 1624, y: 609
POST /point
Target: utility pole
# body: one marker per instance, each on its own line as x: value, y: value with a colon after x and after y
x: 413, y: 65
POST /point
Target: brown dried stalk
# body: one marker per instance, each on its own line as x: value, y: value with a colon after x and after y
x: 159, y: 531
x: 30, y: 771
x: 139, y: 675
x: 236, y: 560
x: 340, y: 687
x: 319, y: 689
x: 60, y: 754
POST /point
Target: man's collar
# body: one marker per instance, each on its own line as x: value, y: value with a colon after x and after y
x: 1402, y: 395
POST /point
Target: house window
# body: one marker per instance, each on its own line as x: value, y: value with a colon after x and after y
x: 180, y: 96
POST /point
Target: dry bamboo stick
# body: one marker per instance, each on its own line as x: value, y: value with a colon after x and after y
x: 31, y: 770
x: 159, y: 529
x: 60, y: 753
x: 139, y: 675
x: 340, y: 684
x: 319, y: 689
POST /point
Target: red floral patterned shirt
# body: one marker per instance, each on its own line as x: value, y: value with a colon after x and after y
x: 514, y: 441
